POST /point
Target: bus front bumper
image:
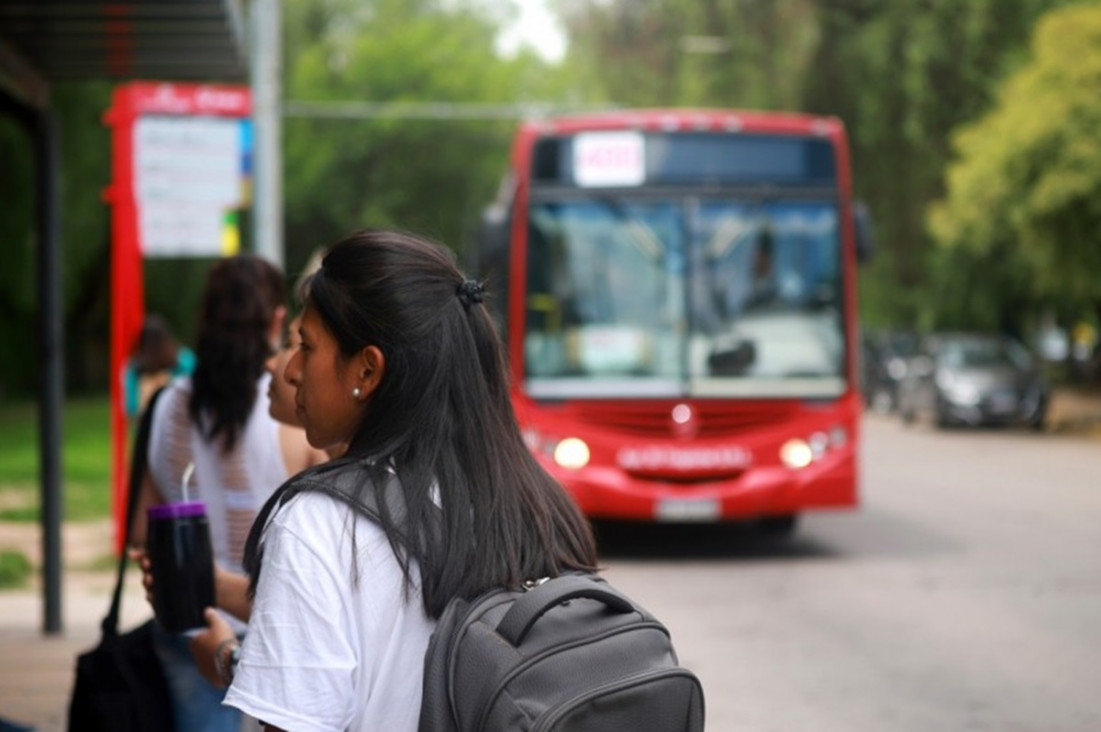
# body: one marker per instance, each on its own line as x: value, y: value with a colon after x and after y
x: 609, y: 492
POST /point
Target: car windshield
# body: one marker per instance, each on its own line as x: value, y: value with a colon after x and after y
x: 984, y: 354
x: 683, y: 296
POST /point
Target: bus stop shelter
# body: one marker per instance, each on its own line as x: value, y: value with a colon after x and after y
x: 43, y: 42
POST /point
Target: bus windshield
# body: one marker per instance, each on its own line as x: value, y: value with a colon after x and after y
x: 683, y: 296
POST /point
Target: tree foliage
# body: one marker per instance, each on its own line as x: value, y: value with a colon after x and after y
x: 84, y: 163
x: 1026, y: 185
x: 693, y: 52
x: 431, y: 175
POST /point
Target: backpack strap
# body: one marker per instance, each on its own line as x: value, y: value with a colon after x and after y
x: 138, y: 458
x: 535, y: 603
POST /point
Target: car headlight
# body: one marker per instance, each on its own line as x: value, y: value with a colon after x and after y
x: 962, y: 393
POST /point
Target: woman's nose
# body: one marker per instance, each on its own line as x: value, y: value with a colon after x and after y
x: 291, y: 371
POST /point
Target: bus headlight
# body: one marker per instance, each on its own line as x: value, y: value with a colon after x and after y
x: 796, y: 453
x: 571, y: 453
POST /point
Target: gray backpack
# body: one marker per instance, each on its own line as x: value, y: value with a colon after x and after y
x: 570, y: 653
x: 567, y: 654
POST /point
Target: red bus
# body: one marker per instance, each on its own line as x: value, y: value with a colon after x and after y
x: 677, y: 290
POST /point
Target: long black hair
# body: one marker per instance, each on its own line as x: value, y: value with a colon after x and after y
x: 479, y: 511
x: 239, y: 303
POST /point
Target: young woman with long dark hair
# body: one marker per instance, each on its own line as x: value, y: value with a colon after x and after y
x: 399, y: 360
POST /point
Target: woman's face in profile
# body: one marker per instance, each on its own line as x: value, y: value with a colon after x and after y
x: 280, y: 392
x: 326, y: 385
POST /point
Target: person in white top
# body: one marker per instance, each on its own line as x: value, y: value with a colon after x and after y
x: 401, y: 362
x: 217, y: 420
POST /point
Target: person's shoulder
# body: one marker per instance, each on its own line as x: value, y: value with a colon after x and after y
x: 338, y: 483
x: 171, y: 396
x: 343, y: 476
x: 177, y: 392
x: 305, y: 507
x: 179, y: 385
x: 320, y: 518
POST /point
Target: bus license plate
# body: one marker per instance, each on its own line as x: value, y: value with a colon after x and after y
x: 687, y: 509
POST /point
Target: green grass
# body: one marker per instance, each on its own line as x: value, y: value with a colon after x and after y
x: 85, y: 457
x: 15, y: 569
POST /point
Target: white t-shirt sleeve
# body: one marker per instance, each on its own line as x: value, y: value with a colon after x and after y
x: 299, y: 661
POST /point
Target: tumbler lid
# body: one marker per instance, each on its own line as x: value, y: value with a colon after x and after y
x: 177, y: 510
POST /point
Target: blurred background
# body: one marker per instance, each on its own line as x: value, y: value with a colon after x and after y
x: 973, y: 127
x: 963, y: 594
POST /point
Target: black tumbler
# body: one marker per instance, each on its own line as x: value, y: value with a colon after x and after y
x: 183, y: 564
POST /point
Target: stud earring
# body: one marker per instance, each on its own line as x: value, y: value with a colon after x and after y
x: 355, y: 392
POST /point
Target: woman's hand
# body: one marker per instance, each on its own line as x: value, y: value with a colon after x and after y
x: 141, y: 557
x: 209, y: 643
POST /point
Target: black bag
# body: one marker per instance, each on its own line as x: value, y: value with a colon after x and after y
x: 120, y: 685
x: 572, y: 653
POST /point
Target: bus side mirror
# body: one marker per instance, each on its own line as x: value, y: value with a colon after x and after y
x: 862, y: 229
x: 492, y: 239
x: 491, y: 260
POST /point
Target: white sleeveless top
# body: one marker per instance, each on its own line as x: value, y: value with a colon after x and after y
x: 235, y: 484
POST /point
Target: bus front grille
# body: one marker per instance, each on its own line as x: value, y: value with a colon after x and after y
x: 707, y: 419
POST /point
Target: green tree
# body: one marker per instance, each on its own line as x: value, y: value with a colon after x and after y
x: 431, y: 175
x: 84, y: 172
x: 903, y: 75
x: 693, y: 52
x: 1025, y: 189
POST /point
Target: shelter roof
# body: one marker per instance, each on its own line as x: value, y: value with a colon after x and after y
x: 81, y: 40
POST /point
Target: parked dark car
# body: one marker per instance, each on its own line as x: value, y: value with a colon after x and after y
x: 885, y: 354
x: 973, y: 379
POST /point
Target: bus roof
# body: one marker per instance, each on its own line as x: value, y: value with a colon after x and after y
x: 684, y: 119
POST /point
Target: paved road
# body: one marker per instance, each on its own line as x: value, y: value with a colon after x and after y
x: 964, y: 595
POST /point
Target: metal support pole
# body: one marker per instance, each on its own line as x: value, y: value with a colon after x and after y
x: 267, y: 125
x: 50, y: 329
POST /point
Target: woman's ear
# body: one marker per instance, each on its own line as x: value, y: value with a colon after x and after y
x: 371, y: 364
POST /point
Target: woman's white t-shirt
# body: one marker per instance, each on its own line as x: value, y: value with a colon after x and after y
x: 333, y: 644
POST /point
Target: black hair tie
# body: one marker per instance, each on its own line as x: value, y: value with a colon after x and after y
x: 470, y: 292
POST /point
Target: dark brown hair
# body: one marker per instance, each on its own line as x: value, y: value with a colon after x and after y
x: 239, y: 302
x: 479, y: 509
